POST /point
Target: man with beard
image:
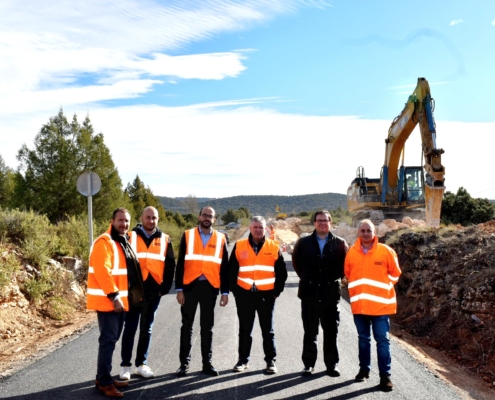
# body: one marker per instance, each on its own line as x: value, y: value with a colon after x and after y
x: 156, y: 259
x: 202, y: 270
x: 114, y: 281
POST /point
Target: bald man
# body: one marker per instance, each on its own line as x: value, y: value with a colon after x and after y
x: 156, y: 259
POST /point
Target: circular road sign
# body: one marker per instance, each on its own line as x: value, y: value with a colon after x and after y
x: 88, y: 184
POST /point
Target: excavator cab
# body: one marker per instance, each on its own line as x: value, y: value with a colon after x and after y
x: 414, y: 185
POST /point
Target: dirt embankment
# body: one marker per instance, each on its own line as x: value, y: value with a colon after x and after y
x: 446, y: 294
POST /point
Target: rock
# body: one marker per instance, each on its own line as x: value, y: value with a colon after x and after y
x: 408, y: 221
x: 72, y: 264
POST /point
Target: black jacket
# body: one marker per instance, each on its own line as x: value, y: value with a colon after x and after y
x: 280, y: 272
x: 134, y: 277
x: 152, y: 288
x: 320, y: 276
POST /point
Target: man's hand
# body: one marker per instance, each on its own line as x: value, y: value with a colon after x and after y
x: 118, y: 305
x: 224, y: 300
x: 181, y: 299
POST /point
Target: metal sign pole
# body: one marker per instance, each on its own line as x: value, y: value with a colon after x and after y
x: 88, y: 184
x: 90, y: 210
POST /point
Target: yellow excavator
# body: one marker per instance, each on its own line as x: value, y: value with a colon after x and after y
x: 279, y: 214
x: 416, y: 192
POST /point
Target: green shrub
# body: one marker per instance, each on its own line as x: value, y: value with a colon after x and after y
x: 32, y: 232
x: 37, y: 288
x: 9, y: 264
x: 59, y: 308
x: 74, y: 238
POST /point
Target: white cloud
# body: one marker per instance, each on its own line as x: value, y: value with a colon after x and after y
x: 214, y: 151
x: 493, y: 22
x: 49, y: 45
x: 456, y: 22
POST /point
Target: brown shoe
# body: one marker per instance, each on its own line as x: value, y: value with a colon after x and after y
x: 118, y: 384
x: 110, y: 391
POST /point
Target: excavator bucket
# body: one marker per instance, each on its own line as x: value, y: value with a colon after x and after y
x: 433, y: 207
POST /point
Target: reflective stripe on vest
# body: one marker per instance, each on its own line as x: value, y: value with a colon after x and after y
x: 257, y: 269
x: 151, y: 262
x: 203, y: 260
x: 143, y: 254
x: 111, y: 273
x: 377, y: 299
x: 201, y: 257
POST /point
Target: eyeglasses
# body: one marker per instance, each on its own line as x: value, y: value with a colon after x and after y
x: 322, y: 221
x: 209, y: 216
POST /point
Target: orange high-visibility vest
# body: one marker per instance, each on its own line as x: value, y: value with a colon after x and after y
x: 107, y: 273
x: 371, y: 278
x: 201, y: 260
x: 256, y: 268
x: 152, y: 258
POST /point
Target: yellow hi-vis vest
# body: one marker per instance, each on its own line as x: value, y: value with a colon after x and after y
x: 152, y: 258
x: 256, y: 268
x: 201, y: 260
x: 107, y: 273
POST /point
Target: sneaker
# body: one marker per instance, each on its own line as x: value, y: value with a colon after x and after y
x: 145, y: 371
x: 362, y: 375
x: 334, y: 371
x: 271, y: 368
x: 308, y: 371
x: 386, y: 384
x: 125, y: 373
x: 240, y: 366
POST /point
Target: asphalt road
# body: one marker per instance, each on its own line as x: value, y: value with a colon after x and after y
x: 68, y: 373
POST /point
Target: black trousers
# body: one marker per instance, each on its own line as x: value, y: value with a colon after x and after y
x: 205, y: 295
x: 328, y: 315
x: 248, y: 305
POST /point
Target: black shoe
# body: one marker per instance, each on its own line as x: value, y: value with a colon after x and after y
x: 386, y: 384
x: 334, y: 372
x: 308, y: 371
x: 240, y: 366
x: 210, y: 370
x: 183, y: 370
x: 362, y: 375
x: 271, y: 368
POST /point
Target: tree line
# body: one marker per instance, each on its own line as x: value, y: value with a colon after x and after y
x: 45, y: 182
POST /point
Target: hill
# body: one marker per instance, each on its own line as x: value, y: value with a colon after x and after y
x: 264, y: 205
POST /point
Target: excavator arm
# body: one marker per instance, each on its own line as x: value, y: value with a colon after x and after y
x: 418, y: 109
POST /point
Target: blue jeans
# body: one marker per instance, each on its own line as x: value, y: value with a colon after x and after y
x: 110, y: 324
x: 381, y: 327
x: 144, y: 316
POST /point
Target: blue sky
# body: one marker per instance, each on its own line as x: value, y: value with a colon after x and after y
x: 223, y: 98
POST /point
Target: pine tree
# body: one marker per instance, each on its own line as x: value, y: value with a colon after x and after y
x: 141, y: 196
x: 47, y: 175
x: 7, y: 180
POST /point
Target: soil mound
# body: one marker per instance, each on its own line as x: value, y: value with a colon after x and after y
x: 446, y: 294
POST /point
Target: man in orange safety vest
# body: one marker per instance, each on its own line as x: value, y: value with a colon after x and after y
x: 372, y: 270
